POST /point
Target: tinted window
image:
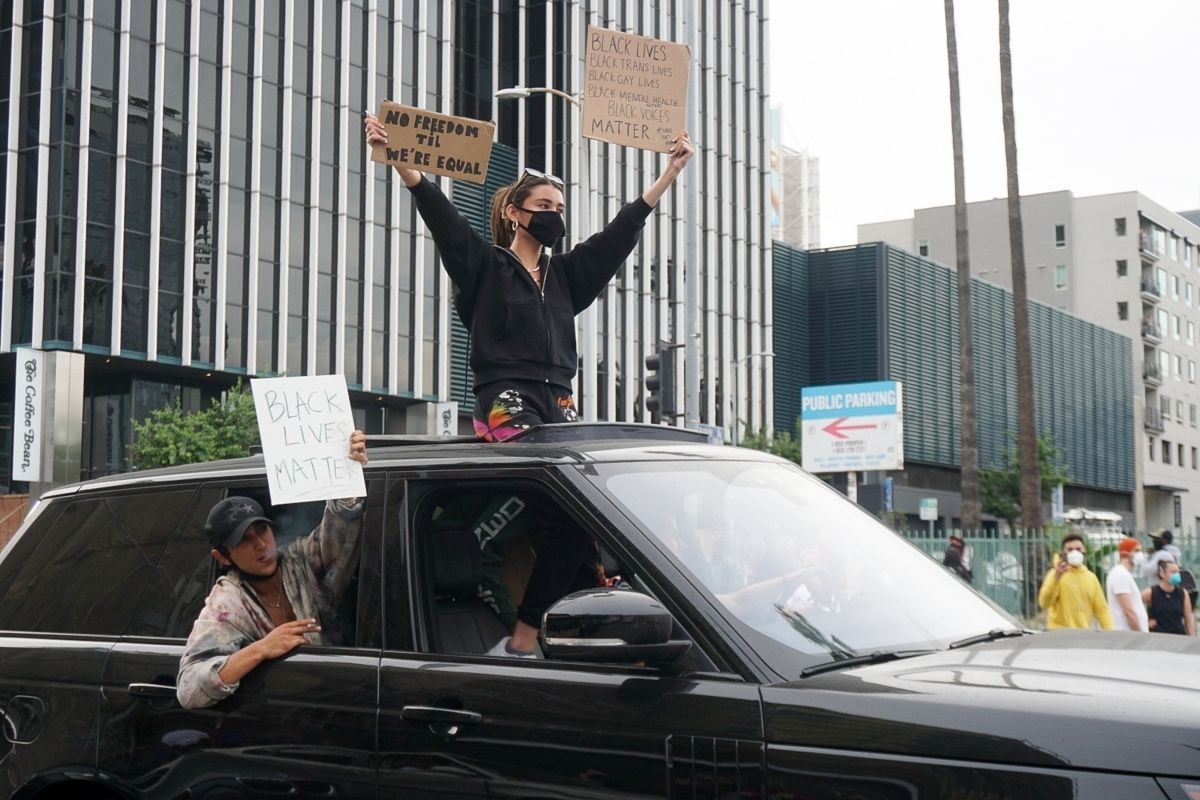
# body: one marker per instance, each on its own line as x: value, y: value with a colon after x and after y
x: 84, y: 571
x: 185, y: 574
x: 180, y: 580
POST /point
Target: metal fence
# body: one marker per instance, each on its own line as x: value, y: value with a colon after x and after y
x: 1009, y: 568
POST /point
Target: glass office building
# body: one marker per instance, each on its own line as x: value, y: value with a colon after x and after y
x: 186, y: 199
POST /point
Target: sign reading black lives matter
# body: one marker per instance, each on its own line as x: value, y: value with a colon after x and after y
x: 634, y: 89
x: 305, y: 425
x: 457, y: 147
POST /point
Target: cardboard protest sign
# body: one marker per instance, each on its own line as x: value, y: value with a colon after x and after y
x: 634, y: 89
x: 457, y: 147
x: 305, y: 425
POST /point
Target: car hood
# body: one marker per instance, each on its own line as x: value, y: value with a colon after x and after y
x: 1080, y: 699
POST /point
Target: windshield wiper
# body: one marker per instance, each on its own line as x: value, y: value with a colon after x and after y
x: 878, y: 657
x: 990, y: 636
x: 831, y: 643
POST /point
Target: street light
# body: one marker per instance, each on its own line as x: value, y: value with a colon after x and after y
x: 737, y: 366
x: 521, y: 92
x: 587, y: 348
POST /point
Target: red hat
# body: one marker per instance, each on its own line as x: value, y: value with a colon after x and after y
x: 1128, y: 545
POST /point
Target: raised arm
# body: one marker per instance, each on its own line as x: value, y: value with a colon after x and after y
x: 681, y: 152
x: 461, y: 248
x: 332, y: 547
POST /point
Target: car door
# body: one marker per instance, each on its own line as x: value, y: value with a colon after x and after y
x: 473, y: 725
x: 302, y: 726
x: 67, y: 590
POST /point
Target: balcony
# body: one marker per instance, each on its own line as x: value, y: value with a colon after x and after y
x: 1150, y: 291
x: 1150, y: 331
x: 1154, y: 420
x: 1147, y: 247
x: 1152, y: 374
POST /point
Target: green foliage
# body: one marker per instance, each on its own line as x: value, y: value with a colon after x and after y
x: 785, y: 445
x: 170, y: 436
x: 896, y: 520
x: 1000, y: 488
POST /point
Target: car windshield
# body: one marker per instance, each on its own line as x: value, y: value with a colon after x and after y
x: 796, y: 562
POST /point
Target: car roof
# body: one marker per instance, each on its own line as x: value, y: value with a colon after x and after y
x: 586, y: 443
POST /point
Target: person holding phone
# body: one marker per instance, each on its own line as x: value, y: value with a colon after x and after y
x: 1071, y: 593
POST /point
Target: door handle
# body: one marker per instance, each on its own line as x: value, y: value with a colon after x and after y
x: 151, y: 690
x: 433, y: 714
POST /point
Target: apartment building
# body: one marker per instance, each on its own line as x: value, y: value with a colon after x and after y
x: 1121, y: 261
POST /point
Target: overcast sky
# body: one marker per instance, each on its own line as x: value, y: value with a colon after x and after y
x: 1106, y: 96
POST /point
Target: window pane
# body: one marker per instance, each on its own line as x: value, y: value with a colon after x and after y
x: 118, y: 539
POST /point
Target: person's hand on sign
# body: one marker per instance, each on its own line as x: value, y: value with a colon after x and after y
x: 358, y: 447
x: 377, y: 137
x: 681, y: 152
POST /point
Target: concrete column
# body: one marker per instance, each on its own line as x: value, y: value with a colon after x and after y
x: 62, y: 420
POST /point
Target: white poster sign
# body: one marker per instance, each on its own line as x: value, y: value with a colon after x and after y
x: 305, y: 425
x: 28, y: 407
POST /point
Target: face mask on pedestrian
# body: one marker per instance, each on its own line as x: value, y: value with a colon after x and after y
x: 1074, y: 557
x: 1176, y: 579
x: 548, y: 227
x: 1139, y: 558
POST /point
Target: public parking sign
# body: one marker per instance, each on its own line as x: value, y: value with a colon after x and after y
x: 852, y: 427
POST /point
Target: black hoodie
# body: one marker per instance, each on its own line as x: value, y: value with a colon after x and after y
x: 517, y: 331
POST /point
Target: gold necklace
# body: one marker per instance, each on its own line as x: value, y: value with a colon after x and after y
x: 278, y: 599
x: 536, y: 268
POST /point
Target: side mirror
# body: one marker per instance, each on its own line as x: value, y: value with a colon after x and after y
x: 610, y: 626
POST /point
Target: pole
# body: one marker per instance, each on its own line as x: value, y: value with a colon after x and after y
x: 691, y: 268
x: 587, y: 348
x: 733, y: 430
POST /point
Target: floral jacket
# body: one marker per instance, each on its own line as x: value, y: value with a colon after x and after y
x: 316, y: 571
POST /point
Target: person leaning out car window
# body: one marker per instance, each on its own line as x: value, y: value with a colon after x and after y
x: 268, y: 602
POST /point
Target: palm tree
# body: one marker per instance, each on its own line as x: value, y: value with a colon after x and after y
x: 968, y: 429
x: 1031, y: 498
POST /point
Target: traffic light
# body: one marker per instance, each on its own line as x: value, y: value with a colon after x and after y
x: 660, y: 384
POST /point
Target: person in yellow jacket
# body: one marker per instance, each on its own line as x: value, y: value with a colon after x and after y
x: 1071, y: 593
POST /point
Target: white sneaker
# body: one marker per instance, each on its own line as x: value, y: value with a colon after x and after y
x: 503, y: 649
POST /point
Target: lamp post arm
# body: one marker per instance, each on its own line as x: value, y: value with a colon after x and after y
x: 558, y: 93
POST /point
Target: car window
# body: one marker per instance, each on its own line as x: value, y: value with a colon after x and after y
x: 186, y: 573
x: 84, y: 571
x: 476, y: 547
x: 180, y: 580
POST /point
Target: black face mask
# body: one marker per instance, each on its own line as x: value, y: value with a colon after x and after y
x: 548, y: 227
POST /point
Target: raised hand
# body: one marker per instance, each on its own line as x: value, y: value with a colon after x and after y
x: 377, y: 137
x: 358, y: 447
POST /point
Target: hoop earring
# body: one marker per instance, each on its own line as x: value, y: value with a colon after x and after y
x: 514, y: 226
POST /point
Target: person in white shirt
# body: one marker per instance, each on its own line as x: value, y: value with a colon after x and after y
x: 1163, y: 550
x: 1124, y: 596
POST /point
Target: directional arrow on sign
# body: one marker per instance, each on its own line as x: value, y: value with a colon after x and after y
x: 836, y: 428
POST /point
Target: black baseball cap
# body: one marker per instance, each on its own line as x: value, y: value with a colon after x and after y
x: 228, y: 520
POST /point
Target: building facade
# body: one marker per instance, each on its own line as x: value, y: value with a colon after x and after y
x: 187, y: 200
x: 875, y: 312
x: 1117, y: 260
x: 801, y: 198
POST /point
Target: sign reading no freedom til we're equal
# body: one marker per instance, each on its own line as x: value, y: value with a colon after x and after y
x: 634, y: 89
x: 305, y: 425
x: 457, y: 147
x: 852, y: 427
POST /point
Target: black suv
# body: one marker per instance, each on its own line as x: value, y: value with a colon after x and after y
x: 757, y: 636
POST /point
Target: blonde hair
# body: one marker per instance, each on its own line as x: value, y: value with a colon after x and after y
x: 503, y: 230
